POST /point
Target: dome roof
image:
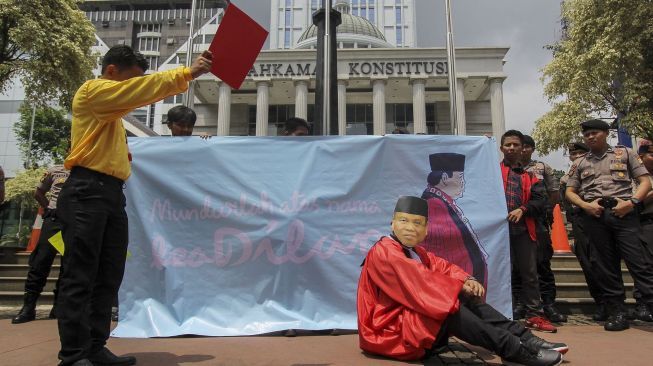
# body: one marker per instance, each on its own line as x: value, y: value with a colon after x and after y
x: 352, y: 26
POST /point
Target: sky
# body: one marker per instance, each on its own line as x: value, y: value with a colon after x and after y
x: 526, y: 26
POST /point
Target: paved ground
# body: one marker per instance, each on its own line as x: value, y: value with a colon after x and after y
x: 36, y: 343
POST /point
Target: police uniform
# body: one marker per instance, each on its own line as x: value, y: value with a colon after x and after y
x: 613, y: 238
x: 646, y: 216
x: 581, y: 243
x: 40, y: 261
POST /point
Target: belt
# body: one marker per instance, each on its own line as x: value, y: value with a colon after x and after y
x: 81, y: 172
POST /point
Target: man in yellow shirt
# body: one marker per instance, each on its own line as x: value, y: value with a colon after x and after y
x: 92, y: 205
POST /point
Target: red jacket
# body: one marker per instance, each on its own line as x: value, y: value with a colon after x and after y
x: 402, y: 303
x: 527, y: 182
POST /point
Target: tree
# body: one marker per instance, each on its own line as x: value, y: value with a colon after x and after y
x: 602, y: 67
x: 47, y: 45
x: 21, y: 188
x: 50, y: 136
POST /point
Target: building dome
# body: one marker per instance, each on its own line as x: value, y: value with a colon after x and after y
x: 353, y: 32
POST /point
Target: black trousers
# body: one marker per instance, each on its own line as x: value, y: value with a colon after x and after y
x: 91, y: 207
x: 481, y: 325
x: 523, y: 257
x: 41, y: 259
x: 546, y: 278
x: 614, y: 239
x: 646, y: 237
x: 582, y: 249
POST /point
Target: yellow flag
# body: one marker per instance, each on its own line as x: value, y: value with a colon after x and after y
x: 57, y: 242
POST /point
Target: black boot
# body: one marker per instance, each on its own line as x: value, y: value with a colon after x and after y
x: 542, y: 357
x: 28, y: 312
x: 616, y: 322
x: 104, y: 357
x: 553, y: 314
x: 642, y: 313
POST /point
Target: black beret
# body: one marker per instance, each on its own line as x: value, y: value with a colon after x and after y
x: 595, y: 124
x: 578, y: 146
x: 529, y: 141
x: 412, y: 205
x: 447, y: 162
x: 645, y: 148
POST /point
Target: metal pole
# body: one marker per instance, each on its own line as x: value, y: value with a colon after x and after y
x: 326, y: 98
x: 451, y: 69
x: 188, y: 97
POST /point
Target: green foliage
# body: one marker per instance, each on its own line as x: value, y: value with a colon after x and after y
x: 50, y: 137
x: 47, y: 44
x: 603, y: 66
x: 21, y: 188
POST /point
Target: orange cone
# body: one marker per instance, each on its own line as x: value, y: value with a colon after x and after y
x: 559, y: 237
x: 36, y: 231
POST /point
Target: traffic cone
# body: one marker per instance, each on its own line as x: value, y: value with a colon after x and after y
x: 559, y: 238
x: 36, y: 231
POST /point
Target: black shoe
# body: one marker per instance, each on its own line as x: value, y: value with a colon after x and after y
x: 553, y: 314
x: 543, y: 357
x: 601, y: 314
x: 616, y: 323
x: 535, y: 343
x: 104, y: 357
x: 28, y: 312
x: 518, y: 312
x: 642, y: 313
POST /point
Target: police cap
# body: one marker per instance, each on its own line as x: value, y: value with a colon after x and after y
x: 595, y: 124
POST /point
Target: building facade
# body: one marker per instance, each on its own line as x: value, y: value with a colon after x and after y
x: 394, y: 18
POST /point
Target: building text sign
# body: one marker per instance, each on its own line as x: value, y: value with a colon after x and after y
x: 354, y: 69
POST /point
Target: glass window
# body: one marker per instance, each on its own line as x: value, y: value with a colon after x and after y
x: 287, y: 17
x: 354, y: 2
x: 286, y: 38
x: 398, y: 15
x: 288, y: 3
x: 363, y: 13
x: 372, y: 15
x: 399, y: 37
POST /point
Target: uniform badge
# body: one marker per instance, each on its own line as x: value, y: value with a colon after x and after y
x: 618, y: 152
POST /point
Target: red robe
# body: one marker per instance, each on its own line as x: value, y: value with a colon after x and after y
x: 401, y: 302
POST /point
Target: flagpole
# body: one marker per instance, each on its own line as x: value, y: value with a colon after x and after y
x: 451, y: 69
x: 326, y: 110
x: 189, y: 97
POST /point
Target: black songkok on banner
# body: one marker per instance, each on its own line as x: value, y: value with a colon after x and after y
x: 447, y: 162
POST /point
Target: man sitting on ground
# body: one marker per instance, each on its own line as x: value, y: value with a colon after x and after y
x: 410, y: 301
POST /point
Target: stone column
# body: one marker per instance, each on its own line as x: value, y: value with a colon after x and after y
x: 419, y: 106
x: 224, y: 109
x: 460, y: 106
x: 378, y: 100
x: 262, y: 104
x: 301, y: 98
x: 496, y: 107
x: 342, y: 107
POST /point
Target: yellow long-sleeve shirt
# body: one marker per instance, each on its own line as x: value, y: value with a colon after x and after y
x: 99, y: 140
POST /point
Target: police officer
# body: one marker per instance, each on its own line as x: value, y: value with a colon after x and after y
x: 581, y: 244
x: 544, y: 173
x: 601, y: 184
x: 646, y: 231
x: 40, y: 261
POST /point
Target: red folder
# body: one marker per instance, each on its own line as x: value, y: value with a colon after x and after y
x: 236, y: 45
